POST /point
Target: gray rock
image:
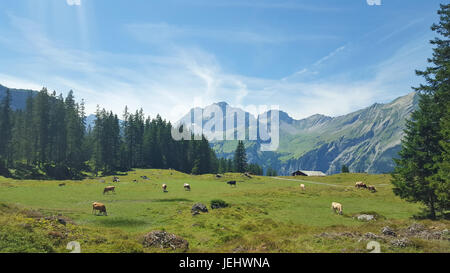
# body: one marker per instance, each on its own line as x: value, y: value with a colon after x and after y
x: 62, y: 221
x: 163, y: 239
x: 197, y: 208
x: 388, y: 231
x: 195, y: 212
x: 403, y: 242
x: 416, y: 228
x: 371, y: 236
x: 366, y: 217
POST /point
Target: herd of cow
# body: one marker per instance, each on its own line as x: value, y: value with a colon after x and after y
x: 101, y: 208
x: 337, y: 207
x: 361, y: 185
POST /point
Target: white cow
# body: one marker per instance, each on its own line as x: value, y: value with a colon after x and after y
x: 337, y: 207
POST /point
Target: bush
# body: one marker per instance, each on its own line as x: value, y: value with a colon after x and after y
x: 24, y: 171
x: 217, y: 204
x: 17, y: 240
x: 3, y: 170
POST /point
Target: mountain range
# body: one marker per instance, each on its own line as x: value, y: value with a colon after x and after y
x: 366, y: 140
x: 18, y: 96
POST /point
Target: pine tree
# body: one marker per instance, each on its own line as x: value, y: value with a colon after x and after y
x: 41, y: 121
x: 345, y: 169
x: 240, y: 158
x: 443, y: 176
x: 418, y: 174
x: 5, y: 129
x: 271, y: 172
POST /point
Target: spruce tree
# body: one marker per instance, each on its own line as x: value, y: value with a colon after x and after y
x: 5, y: 129
x: 345, y: 169
x: 423, y: 159
x: 240, y: 158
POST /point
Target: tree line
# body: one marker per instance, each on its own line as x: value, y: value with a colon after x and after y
x: 49, y: 138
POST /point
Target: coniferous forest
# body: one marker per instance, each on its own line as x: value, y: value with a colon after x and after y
x: 50, y: 139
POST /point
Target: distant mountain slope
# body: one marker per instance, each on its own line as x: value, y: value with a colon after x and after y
x: 18, y: 96
x: 19, y: 101
x: 365, y: 140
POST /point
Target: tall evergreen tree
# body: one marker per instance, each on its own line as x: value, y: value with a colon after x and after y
x: 240, y: 158
x: 345, y: 169
x: 5, y: 129
x: 417, y: 175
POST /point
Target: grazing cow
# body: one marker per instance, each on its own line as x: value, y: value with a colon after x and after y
x: 302, y: 186
x: 135, y: 181
x: 337, y: 207
x: 360, y: 184
x: 164, y: 187
x: 218, y: 176
x: 62, y: 185
x: 109, y: 189
x: 247, y: 175
x: 231, y: 183
x: 100, y: 207
x: 144, y: 177
x: 372, y: 188
x: 187, y: 187
x: 116, y: 179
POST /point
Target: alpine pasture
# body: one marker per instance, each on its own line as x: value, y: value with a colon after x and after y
x: 265, y: 214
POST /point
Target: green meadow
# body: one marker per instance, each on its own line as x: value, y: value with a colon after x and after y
x: 265, y: 214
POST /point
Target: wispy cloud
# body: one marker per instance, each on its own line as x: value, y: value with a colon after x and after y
x: 161, y: 33
x: 73, y: 2
x: 268, y: 4
x: 329, y: 56
x: 184, y: 77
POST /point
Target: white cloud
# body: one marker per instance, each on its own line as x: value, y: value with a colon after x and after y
x: 73, y: 2
x: 184, y: 77
x: 329, y: 56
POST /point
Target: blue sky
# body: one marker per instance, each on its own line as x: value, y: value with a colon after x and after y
x: 314, y: 56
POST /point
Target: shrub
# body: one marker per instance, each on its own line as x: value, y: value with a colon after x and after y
x: 217, y: 204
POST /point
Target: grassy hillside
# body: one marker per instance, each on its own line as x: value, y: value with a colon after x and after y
x: 266, y: 214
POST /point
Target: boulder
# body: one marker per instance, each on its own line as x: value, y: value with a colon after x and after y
x: 371, y: 236
x: 416, y: 228
x: 403, y: 242
x: 162, y: 239
x: 388, y: 231
x: 366, y: 217
x: 197, y: 208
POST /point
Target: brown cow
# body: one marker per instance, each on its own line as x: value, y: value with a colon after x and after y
x: 100, y: 207
x: 372, y: 188
x: 109, y: 189
x: 360, y: 185
x: 164, y: 187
